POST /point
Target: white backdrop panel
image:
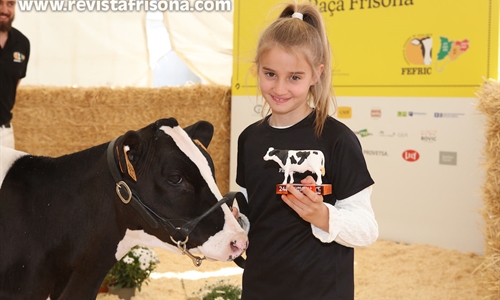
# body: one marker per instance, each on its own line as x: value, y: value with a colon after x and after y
x: 435, y: 200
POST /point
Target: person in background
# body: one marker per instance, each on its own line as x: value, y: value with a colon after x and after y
x: 14, y: 55
x: 301, y: 244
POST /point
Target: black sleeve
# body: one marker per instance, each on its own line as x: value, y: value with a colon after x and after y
x: 350, y: 171
x: 240, y: 162
x: 28, y: 49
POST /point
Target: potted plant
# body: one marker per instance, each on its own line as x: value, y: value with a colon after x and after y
x: 131, y: 271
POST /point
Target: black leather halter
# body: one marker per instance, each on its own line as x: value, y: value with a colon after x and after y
x: 177, y: 229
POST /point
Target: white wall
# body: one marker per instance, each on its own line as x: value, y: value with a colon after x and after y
x: 85, y: 48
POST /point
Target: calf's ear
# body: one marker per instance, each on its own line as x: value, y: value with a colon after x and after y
x: 171, y: 122
x: 128, y: 150
x: 202, y: 131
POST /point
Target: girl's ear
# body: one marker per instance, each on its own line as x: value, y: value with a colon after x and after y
x: 319, y: 71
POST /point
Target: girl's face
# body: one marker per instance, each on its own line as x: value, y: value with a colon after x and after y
x: 284, y: 81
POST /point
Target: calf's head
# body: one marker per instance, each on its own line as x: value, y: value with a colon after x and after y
x: 171, y: 177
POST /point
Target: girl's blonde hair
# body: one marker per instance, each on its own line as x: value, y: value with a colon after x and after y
x: 307, y: 37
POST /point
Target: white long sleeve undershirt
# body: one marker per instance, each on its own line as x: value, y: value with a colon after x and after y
x: 352, y: 221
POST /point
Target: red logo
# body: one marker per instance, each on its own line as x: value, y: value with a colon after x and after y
x: 411, y: 155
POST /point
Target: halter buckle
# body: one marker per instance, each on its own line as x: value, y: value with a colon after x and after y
x: 119, y: 186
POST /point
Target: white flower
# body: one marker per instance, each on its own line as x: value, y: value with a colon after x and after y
x: 137, y: 252
x: 145, y: 255
x: 128, y: 260
x: 219, y: 298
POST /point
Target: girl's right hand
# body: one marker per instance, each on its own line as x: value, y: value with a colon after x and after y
x: 308, y: 204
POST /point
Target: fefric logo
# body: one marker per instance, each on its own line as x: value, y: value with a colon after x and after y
x: 418, y: 53
x: 344, y: 112
x: 411, y: 155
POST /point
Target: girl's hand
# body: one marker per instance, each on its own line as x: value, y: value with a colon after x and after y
x: 308, y: 204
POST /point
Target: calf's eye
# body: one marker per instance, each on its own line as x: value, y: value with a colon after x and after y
x: 175, y: 179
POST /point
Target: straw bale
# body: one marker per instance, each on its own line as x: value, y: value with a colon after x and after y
x: 53, y: 121
x: 489, y: 105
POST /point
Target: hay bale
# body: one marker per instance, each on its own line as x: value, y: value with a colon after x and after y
x: 53, y: 121
x: 489, y: 105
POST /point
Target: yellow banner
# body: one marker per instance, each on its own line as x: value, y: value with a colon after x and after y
x: 388, y: 47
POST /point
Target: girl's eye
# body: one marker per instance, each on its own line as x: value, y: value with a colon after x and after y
x: 270, y: 74
x: 175, y: 179
x: 295, y: 78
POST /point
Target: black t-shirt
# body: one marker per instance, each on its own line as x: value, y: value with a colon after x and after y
x: 284, y: 259
x: 13, y: 65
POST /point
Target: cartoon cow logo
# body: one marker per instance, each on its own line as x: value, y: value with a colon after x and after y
x: 298, y: 161
x: 418, y: 50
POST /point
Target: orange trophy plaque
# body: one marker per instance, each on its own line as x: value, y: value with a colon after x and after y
x: 300, y: 161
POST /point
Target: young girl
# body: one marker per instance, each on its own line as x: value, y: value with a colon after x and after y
x: 301, y: 244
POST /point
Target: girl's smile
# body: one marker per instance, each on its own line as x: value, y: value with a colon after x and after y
x: 280, y: 99
x: 284, y: 80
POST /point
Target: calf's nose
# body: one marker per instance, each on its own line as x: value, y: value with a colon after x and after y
x: 238, y: 246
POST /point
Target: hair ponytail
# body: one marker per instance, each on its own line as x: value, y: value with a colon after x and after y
x: 308, y: 35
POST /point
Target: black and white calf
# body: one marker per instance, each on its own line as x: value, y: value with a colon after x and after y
x: 298, y: 161
x: 65, y: 221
